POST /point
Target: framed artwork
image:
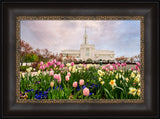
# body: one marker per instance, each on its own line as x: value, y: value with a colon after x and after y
x: 93, y: 59
x: 78, y: 75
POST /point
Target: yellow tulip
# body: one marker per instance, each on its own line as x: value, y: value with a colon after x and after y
x: 99, y: 72
x: 100, y: 79
x: 136, y: 79
x: 127, y: 79
x: 68, y: 64
x: 23, y: 76
x: 132, y: 75
x: 116, y: 76
x: 102, y: 82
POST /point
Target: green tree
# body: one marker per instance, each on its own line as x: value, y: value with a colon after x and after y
x: 31, y: 58
x: 25, y: 49
x: 89, y: 60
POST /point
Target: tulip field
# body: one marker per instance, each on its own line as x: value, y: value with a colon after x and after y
x: 55, y: 80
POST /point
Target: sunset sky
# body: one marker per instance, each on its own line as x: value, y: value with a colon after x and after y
x: 120, y: 36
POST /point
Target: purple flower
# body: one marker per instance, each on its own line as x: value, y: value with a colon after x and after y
x: 45, y: 92
x: 38, y: 96
x: 83, y: 87
x: 90, y: 94
x: 78, y: 89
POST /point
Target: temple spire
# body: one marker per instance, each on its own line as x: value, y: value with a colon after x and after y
x: 85, y: 36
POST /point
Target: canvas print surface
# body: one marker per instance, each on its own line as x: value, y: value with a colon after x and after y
x: 80, y: 59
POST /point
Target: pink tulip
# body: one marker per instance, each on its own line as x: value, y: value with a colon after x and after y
x: 59, y: 80
x: 55, y: 76
x: 134, y: 84
x: 58, y: 76
x: 51, y: 73
x: 43, y: 67
x: 138, y: 64
x: 108, y: 65
x: 69, y: 74
x: 119, y: 65
x: 67, y: 78
x: 124, y: 64
x: 49, y: 64
x: 41, y: 63
x: 132, y: 68
x: 54, y: 65
x: 111, y: 68
x: 106, y: 69
x: 72, y: 63
x: 81, y: 82
x: 58, y: 63
x: 75, y: 84
x: 40, y: 67
x: 115, y: 67
x: 54, y: 61
x: 62, y: 65
x: 85, y: 91
x: 136, y: 67
x: 51, y: 69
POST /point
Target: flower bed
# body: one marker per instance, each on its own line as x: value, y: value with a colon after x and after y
x: 57, y: 81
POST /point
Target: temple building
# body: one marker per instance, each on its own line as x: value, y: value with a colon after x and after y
x: 88, y: 51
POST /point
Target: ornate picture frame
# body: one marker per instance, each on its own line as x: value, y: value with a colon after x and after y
x: 146, y: 106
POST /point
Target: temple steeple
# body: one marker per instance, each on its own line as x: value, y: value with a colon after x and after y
x: 85, y: 37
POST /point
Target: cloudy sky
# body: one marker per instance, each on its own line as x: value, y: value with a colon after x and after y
x: 120, y: 36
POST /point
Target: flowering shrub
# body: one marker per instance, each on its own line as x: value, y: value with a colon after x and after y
x: 54, y: 80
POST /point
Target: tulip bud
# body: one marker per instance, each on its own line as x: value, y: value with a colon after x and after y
x: 52, y: 84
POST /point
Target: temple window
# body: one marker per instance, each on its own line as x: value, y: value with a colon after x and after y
x: 87, y: 51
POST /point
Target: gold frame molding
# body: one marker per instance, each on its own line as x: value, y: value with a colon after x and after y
x: 61, y: 101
